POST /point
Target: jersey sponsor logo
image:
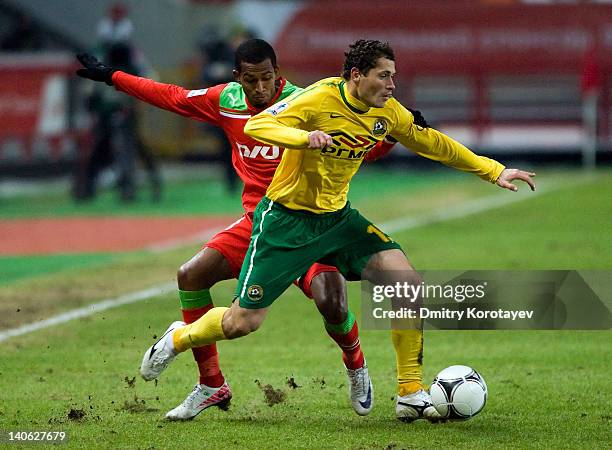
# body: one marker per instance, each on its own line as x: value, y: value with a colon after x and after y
x: 255, y: 292
x: 348, y: 147
x: 197, y: 92
x: 380, y: 127
x: 265, y: 151
x: 278, y: 108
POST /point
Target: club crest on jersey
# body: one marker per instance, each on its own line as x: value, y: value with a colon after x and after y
x: 380, y: 127
x: 255, y: 292
x: 278, y: 108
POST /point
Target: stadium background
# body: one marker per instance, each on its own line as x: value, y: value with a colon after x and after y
x: 512, y: 79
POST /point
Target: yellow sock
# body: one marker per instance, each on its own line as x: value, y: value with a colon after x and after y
x: 206, y: 330
x: 408, y: 346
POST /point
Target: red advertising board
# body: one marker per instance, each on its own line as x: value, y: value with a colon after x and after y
x: 497, y: 52
x: 450, y: 36
x: 34, y: 103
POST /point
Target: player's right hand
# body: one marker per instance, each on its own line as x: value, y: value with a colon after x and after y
x: 508, y: 175
x: 95, y: 69
x: 318, y: 139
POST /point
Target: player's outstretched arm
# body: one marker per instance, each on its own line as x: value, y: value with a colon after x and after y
x: 283, y: 123
x: 508, y: 175
x: 384, y: 147
x: 194, y: 104
x: 267, y: 128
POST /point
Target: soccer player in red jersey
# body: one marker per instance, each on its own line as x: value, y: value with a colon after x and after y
x: 258, y: 85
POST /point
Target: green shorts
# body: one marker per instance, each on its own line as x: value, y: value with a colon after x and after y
x: 285, y: 243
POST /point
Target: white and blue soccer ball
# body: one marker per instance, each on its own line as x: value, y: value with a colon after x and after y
x: 458, y: 393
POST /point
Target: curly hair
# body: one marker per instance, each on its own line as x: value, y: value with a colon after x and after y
x: 363, y: 55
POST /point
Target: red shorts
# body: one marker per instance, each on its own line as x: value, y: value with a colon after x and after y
x: 233, y: 243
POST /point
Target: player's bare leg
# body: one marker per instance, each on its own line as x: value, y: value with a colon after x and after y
x: 329, y: 294
x: 238, y: 321
x: 413, y: 401
x: 195, y: 278
x: 205, y: 269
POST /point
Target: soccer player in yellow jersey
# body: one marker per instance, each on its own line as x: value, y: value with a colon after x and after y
x: 305, y: 216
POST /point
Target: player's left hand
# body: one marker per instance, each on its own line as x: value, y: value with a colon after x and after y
x: 508, y: 175
x: 95, y: 69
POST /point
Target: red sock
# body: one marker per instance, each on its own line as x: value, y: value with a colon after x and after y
x: 206, y: 357
x: 352, y: 356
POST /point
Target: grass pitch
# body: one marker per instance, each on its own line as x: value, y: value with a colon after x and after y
x: 548, y: 389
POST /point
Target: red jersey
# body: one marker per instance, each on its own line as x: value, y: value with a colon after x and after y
x: 224, y: 105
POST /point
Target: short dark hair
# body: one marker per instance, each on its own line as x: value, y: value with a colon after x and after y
x: 254, y: 51
x: 363, y: 55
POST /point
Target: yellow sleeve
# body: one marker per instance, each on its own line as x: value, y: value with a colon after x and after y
x: 282, y: 124
x: 437, y: 146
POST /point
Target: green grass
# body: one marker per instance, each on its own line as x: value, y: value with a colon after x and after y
x: 562, y: 229
x: 548, y: 389
x: 14, y: 268
x: 202, y: 195
x: 185, y: 197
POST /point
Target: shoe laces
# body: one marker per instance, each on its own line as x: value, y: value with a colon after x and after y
x: 193, y: 396
x: 420, y: 396
x: 358, y: 381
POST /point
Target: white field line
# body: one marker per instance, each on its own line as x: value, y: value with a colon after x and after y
x: 89, y: 310
x: 444, y: 214
x: 458, y: 211
x: 125, y: 299
x: 476, y: 206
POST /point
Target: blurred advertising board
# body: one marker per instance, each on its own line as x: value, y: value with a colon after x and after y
x: 500, y: 76
x: 38, y: 119
x: 448, y: 37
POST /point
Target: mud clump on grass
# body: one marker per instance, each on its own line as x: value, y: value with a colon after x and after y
x: 271, y: 395
x: 319, y: 382
x: 292, y: 384
x: 131, y: 382
x: 76, y: 414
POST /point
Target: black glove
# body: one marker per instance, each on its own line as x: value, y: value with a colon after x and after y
x: 94, y: 69
x: 419, y: 120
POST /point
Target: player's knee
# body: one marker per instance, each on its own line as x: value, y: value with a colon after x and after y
x: 192, y: 276
x: 203, y: 270
x: 182, y: 276
x: 187, y: 278
x: 240, y: 325
x: 240, y: 328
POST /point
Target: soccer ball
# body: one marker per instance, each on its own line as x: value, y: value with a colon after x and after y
x: 458, y: 393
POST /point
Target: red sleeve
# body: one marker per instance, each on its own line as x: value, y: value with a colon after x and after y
x: 200, y: 104
x: 380, y: 150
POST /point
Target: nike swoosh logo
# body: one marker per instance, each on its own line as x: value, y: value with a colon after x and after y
x: 335, y: 116
x: 368, y: 400
x: 154, y: 349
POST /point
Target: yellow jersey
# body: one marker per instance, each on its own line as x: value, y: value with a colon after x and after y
x: 317, y: 180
